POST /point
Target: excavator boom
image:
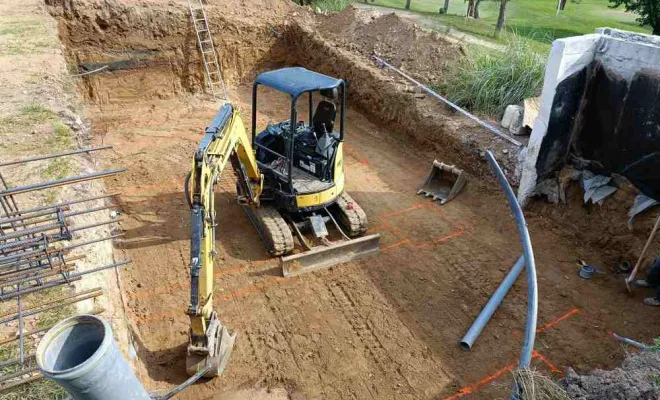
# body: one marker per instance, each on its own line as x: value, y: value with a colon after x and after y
x: 225, y: 140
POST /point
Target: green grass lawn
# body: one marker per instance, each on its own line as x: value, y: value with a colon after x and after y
x: 535, y: 19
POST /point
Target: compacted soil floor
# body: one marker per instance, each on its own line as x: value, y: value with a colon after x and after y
x: 385, y: 327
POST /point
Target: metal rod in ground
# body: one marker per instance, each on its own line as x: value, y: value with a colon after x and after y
x: 56, y: 155
x: 7, y: 260
x: 62, y: 281
x: 16, y: 374
x: 23, y: 217
x: 16, y: 384
x: 76, y: 245
x: 20, y: 244
x: 32, y: 231
x: 449, y: 103
x: 492, y: 305
x: 94, y: 225
x: 49, y: 302
x: 9, y: 363
x: 60, y: 182
x: 21, y: 342
x: 57, y: 260
x: 42, y: 241
x: 12, y: 199
x: 29, y: 220
x: 38, y: 310
x: 528, y: 253
x: 95, y: 311
x: 38, y: 288
x: 41, y: 256
x: 66, y: 203
x: 38, y: 276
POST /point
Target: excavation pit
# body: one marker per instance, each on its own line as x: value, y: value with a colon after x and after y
x: 383, y: 327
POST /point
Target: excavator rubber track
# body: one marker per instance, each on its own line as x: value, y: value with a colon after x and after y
x: 351, y: 215
x: 273, y: 229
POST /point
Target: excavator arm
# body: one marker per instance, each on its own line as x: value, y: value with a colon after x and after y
x: 225, y: 141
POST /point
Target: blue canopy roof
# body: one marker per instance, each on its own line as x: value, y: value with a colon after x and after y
x: 296, y: 80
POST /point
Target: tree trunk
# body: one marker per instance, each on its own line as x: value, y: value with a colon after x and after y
x: 446, y: 7
x: 470, y: 8
x: 501, y: 18
x: 407, y: 4
x: 656, y: 26
x: 476, y: 9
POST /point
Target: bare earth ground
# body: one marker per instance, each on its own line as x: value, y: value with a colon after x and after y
x: 38, y: 116
x: 385, y: 327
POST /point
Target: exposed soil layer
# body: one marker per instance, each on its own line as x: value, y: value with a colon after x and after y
x: 384, y: 327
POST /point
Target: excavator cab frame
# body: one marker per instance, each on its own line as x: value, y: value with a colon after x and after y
x: 296, y: 82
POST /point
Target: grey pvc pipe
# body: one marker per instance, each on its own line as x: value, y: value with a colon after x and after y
x: 80, y: 354
x: 629, y: 341
x: 493, y: 303
x: 528, y: 254
x: 383, y: 63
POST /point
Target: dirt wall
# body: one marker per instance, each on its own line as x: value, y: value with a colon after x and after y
x: 148, y: 50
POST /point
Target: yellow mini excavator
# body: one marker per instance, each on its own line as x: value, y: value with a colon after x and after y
x: 290, y: 180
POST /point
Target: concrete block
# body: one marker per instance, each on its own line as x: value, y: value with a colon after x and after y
x: 629, y: 36
x: 512, y: 119
x: 568, y: 56
x: 627, y: 58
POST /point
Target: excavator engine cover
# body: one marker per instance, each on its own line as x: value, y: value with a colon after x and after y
x: 444, y: 182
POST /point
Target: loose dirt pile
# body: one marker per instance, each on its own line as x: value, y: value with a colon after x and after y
x: 636, y: 379
x: 404, y: 44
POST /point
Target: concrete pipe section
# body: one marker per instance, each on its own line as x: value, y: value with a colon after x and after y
x: 80, y: 354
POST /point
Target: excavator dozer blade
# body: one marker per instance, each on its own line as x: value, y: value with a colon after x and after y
x: 444, y: 182
x: 327, y: 256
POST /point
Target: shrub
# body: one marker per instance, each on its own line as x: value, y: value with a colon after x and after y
x: 487, y: 82
x: 331, y: 5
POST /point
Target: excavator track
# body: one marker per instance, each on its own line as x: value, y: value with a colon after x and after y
x: 351, y: 215
x: 273, y: 229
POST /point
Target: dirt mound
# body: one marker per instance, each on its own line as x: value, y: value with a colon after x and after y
x: 634, y: 380
x: 401, y: 42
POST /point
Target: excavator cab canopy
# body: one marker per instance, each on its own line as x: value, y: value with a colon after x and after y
x: 296, y: 81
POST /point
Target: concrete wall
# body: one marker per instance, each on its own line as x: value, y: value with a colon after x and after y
x: 566, y: 88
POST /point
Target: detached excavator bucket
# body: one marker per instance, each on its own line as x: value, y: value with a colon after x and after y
x: 333, y: 254
x: 444, y: 182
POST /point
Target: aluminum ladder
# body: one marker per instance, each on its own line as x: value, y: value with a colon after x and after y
x: 206, y: 47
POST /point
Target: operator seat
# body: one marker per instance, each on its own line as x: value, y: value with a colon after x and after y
x: 324, y: 118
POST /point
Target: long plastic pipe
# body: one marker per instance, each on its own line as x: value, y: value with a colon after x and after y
x: 383, y: 63
x: 528, y: 253
x: 493, y: 303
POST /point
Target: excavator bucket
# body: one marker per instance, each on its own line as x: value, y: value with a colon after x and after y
x: 328, y: 255
x: 444, y: 182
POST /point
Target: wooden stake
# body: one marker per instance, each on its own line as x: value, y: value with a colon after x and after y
x: 643, y: 254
